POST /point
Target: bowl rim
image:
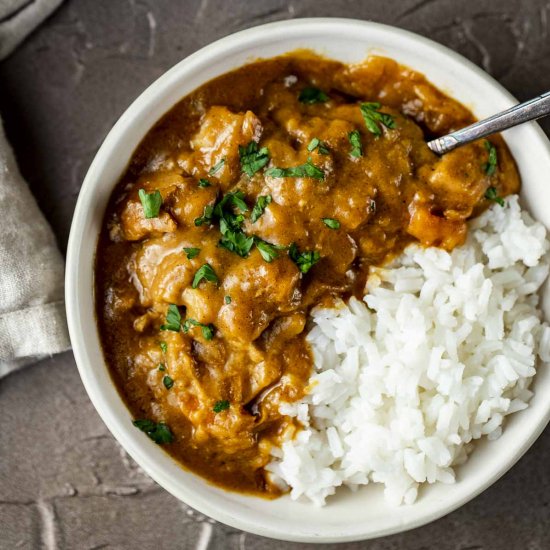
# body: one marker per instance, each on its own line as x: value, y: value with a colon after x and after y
x: 130, y: 441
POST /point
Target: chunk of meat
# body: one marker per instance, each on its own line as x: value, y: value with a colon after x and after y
x: 161, y: 270
x: 135, y: 226
x: 258, y: 290
x: 216, y: 144
x: 188, y: 201
x: 385, y: 80
x: 278, y: 225
x: 434, y: 230
x: 458, y: 180
x: 202, y: 303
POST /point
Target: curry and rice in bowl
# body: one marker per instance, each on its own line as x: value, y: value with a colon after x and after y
x: 295, y: 294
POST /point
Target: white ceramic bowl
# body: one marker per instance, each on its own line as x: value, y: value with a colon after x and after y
x: 348, y: 516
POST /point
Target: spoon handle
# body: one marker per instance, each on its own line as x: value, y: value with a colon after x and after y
x: 523, y: 112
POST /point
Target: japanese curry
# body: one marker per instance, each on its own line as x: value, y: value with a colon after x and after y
x: 264, y: 193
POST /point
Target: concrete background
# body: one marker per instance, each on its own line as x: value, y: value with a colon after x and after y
x: 64, y: 482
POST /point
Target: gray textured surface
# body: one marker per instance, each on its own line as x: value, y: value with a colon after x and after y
x: 64, y: 481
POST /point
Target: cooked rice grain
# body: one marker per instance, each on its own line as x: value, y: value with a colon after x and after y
x: 444, y: 347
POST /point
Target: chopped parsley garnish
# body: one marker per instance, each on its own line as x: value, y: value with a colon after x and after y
x: 237, y: 242
x: 206, y: 217
x: 304, y: 260
x: 331, y: 223
x: 220, y: 406
x: 191, y: 252
x: 227, y: 299
x: 163, y: 346
x: 168, y: 382
x: 490, y: 166
x: 311, y: 95
x: 151, y: 203
x: 217, y: 167
x: 160, y: 433
x: 228, y: 212
x: 223, y: 211
x: 207, y: 330
x: 204, y: 272
x: 267, y: 250
x: 230, y: 199
x: 261, y: 204
x: 203, y: 182
x: 321, y: 146
x: 173, y: 319
x: 492, y: 195
x: 373, y: 118
x: 252, y: 158
x: 161, y: 367
x: 307, y: 170
x: 356, y: 145
x: 233, y: 238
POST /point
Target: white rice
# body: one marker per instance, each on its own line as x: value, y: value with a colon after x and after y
x: 443, y: 350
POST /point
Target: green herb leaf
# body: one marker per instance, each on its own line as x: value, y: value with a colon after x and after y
x: 220, y: 406
x: 222, y: 209
x: 373, y: 118
x: 151, y: 203
x: 307, y: 170
x: 331, y: 223
x: 492, y: 195
x: 356, y: 145
x: 161, y: 367
x: 206, y: 217
x: 160, y: 433
x: 227, y: 299
x: 311, y: 95
x: 237, y: 242
x: 313, y: 144
x: 252, y: 158
x: 207, y: 330
x: 173, y: 319
x: 163, y: 346
x: 204, y: 272
x: 267, y: 250
x: 168, y: 382
x: 203, y: 182
x: 217, y: 167
x: 237, y: 199
x: 316, y: 143
x: 233, y: 238
x: 304, y: 260
x: 261, y: 204
x: 491, y: 165
x: 191, y: 252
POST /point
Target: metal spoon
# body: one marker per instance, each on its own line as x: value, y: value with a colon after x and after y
x: 523, y: 112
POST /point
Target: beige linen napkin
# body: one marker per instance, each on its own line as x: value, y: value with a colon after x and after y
x: 18, y: 18
x: 32, y: 312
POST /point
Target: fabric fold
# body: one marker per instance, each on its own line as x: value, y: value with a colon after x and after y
x: 31, y: 334
x: 32, y: 316
x: 18, y: 18
x: 32, y: 311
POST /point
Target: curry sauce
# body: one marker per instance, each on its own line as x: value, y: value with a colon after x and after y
x: 266, y: 192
